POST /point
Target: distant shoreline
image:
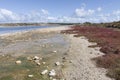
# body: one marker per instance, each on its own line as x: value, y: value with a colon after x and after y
x: 33, y: 24
x: 49, y: 29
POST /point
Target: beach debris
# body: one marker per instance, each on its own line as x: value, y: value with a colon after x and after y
x: 36, y: 58
x: 30, y: 76
x: 57, y: 63
x: 18, y: 62
x: 44, y: 72
x: 52, y: 73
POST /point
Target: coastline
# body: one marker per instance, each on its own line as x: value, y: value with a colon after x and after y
x: 72, y: 53
x: 48, y: 29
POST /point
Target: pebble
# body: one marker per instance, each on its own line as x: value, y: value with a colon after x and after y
x: 30, y: 76
x: 36, y: 58
x: 52, y: 73
x: 55, y: 51
x: 36, y: 61
x: 29, y: 58
x: 43, y: 62
x: 18, y: 62
x: 57, y: 63
x: 44, y: 72
x: 38, y: 64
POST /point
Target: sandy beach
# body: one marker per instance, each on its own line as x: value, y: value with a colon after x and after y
x: 72, y: 53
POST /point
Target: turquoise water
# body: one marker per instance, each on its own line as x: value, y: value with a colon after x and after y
x: 4, y: 30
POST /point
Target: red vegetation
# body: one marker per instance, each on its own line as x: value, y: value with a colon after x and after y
x: 109, y: 41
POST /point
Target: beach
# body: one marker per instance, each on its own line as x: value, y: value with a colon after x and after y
x: 70, y: 57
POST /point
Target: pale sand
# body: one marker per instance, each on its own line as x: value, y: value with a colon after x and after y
x: 82, y: 67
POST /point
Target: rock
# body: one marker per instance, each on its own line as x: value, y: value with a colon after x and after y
x: 44, y: 72
x: 54, y: 51
x: 38, y: 64
x: 64, y: 58
x: 51, y: 78
x: 57, y: 63
x: 70, y: 61
x: 41, y: 58
x: 37, y: 61
x: 54, y: 79
x: 18, y: 62
x: 29, y: 58
x: 43, y: 62
x: 30, y: 76
x: 52, y: 73
x: 36, y: 58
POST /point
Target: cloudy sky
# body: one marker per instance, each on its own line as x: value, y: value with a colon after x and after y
x: 59, y: 11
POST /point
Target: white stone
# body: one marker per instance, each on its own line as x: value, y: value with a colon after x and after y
x: 18, y: 62
x: 37, y: 61
x: 54, y: 79
x: 55, y: 51
x: 43, y: 62
x: 44, y: 72
x: 36, y: 58
x: 38, y: 64
x: 30, y: 76
x: 57, y: 63
x: 52, y: 73
x: 29, y: 58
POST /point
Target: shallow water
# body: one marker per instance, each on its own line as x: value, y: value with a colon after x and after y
x: 42, y: 44
x: 4, y: 30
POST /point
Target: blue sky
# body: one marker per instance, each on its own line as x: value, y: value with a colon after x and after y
x: 59, y: 10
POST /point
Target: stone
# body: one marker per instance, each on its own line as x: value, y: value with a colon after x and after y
x: 36, y: 58
x: 30, y: 76
x: 37, y: 61
x: 43, y: 62
x: 38, y: 64
x: 29, y: 58
x: 18, y: 62
x: 52, y: 73
x: 44, y: 72
x: 57, y: 63
x: 55, y: 51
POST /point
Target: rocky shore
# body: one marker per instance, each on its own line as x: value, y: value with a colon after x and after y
x: 46, y: 54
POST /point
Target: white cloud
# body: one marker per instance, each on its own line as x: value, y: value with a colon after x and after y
x: 44, y: 11
x: 117, y: 12
x: 83, y: 13
x: 99, y: 9
x: 80, y: 15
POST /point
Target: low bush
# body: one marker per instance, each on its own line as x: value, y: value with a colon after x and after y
x: 109, y: 41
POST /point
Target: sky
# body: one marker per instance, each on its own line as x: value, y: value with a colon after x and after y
x: 68, y: 11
